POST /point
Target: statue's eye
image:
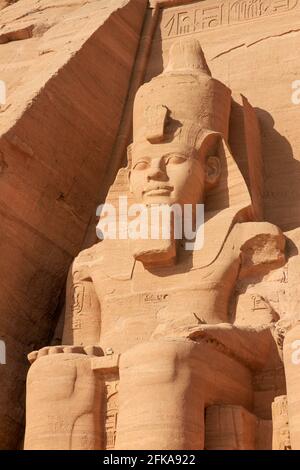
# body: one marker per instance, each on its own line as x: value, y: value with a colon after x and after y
x: 175, y: 159
x: 141, y: 165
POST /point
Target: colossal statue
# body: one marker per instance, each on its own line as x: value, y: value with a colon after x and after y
x: 153, y: 336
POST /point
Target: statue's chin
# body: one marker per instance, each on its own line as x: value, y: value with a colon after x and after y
x: 158, y: 199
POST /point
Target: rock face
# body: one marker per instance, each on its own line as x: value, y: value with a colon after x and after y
x: 6, y: 3
x: 67, y: 69
x: 214, y: 333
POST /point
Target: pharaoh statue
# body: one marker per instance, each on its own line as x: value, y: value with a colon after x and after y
x: 151, y: 338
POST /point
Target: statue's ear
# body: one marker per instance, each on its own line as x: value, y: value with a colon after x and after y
x: 128, y: 177
x: 209, y: 154
x: 129, y: 164
x: 129, y: 157
x: 212, y: 171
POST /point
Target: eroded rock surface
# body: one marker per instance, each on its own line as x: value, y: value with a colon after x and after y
x: 67, y: 67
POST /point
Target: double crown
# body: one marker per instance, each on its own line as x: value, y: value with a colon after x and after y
x: 182, y: 102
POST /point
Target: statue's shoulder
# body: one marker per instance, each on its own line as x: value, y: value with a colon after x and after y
x: 80, y: 267
x: 261, y: 245
x: 87, y: 256
x: 111, y: 257
x: 262, y: 231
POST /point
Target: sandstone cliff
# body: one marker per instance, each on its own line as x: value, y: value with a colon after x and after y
x: 67, y: 67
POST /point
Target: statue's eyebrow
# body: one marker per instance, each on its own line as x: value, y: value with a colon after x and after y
x: 165, y: 155
x: 145, y: 157
x: 174, y: 152
x: 182, y: 153
x: 189, y: 153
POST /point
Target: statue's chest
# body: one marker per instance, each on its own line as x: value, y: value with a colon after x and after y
x: 146, y: 292
x: 132, y: 308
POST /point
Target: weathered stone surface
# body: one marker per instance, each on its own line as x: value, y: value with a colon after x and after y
x: 6, y: 3
x: 162, y: 347
x: 229, y: 428
x: 160, y: 312
x: 281, y: 432
x: 67, y: 67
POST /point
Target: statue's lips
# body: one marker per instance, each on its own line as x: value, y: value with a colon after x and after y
x: 162, y: 191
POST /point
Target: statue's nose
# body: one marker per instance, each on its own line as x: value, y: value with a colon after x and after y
x: 157, y: 170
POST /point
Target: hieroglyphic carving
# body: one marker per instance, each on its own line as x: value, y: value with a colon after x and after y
x: 78, y: 294
x: 259, y: 303
x: 200, y: 18
x: 244, y: 10
x: 211, y: 16
x: 281, y: 433
x: 154, y: 298
x: 192, y: 20
x: 111, y: 414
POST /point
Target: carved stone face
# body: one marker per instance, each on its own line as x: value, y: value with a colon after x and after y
x: 170, y: 173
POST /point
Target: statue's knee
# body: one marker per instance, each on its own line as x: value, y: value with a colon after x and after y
x: 62, y: 371
x: 156, y: 361
x: 63, y: 403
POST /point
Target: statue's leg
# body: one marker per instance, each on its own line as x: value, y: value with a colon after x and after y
x: 164, y: 388
x: 160, y: 403
x: 63, y: 406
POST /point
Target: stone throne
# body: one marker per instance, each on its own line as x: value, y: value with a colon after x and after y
x: 151, y: 340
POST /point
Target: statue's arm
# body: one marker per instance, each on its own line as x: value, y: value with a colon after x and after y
x: 70, y: 407
x: 256, y: 249
x: 261, y: 248
x: 82, y: 309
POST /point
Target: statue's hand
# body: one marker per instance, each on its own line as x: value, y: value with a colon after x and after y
x: 50, y: 350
